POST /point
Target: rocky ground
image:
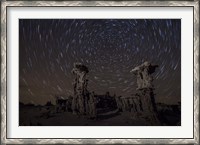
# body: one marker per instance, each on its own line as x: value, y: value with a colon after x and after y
x: 47, y: 116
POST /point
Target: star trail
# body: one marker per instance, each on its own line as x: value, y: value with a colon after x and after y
x: 110, y: 48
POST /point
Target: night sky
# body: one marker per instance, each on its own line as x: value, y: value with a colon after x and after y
x: 110, y: 48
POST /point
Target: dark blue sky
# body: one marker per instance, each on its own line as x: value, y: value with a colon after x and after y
x: 110, y: 48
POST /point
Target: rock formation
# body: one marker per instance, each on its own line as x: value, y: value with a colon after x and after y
x: 83, y: 102
x: 62, y: 104
x: 119, y: 102
x: 92, y: 111
x: 143, y: 74
x: 144, y: 101
x: 130, y: 104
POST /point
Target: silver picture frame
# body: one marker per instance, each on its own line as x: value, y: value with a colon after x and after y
x: 6, y: 4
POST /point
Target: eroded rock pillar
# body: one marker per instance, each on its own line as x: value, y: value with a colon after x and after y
x: 84, y: 102
x: 144, y: 98
x: 80, y: 88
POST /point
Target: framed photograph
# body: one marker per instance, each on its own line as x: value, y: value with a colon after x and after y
x: 100, y: 72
